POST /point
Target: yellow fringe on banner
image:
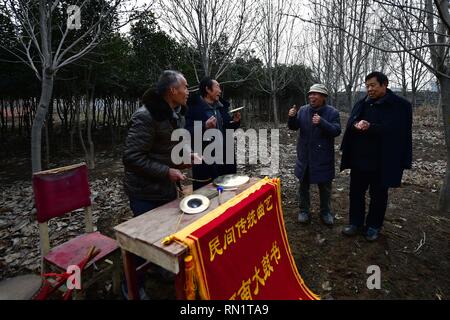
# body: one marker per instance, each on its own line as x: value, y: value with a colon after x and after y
x: 197, y: 272
x: 190, y: 288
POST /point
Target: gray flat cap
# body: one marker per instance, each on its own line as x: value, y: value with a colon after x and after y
x: 319, y: 88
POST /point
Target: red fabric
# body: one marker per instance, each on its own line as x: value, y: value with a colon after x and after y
x: 61, y: 278
x: 74, y: 251
x: 258, y: 265
x: 59, y: 193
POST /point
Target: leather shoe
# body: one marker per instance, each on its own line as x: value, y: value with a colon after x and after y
x: 372, y: 234
x: 351, y: 230
x: 327, y: 218
x: 142, y: 294
x: 304, y: 217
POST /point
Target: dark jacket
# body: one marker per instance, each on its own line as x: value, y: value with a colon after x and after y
x: 148, y: 148
x: 394, y: 133
x: 315, y: 144
x: 199, y: 110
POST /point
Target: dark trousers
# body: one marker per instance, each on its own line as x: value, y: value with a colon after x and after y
x: 360, y: 181
x: 207, y: 173
x: 142, y: 206
x: 324, y: 193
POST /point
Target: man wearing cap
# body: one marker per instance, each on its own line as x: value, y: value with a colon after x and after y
x: 318, y: 124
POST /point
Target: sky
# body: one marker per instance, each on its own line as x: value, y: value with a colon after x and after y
x: 302, y: 8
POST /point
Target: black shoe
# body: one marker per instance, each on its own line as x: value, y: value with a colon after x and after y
x: 327, y: 218
x: 372, y: 234
x: 142, y: 294
x: 304, y: 217
x: 351, y: 230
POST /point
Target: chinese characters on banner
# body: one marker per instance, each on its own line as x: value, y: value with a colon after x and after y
x: 244, y: 253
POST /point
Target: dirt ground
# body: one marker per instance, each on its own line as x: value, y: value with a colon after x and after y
x: 413, y: 252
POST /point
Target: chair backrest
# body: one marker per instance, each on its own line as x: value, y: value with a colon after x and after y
x: 57, y: 192
x: 60, y: 191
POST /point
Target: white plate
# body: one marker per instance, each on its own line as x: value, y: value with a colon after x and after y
x: 236, y: 110
x: 195, y: 203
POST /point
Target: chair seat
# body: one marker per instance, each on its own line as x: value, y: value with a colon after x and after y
x: 75, y: 250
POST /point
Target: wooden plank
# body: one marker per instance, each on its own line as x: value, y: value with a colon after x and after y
x: 155, y: 225
x: 130, y: 275
x: 44, y: 244
x: 144, y: 234
x: 180, y: 281
x: 59, y: 170
x: 161, y: 222
x: 88, y: 219
x: 163, y: 258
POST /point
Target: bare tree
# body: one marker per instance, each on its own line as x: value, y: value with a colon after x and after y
x: 409, y: 71
x: 322, y: 53
x: 276, y: 44
x: 439, y: 41
x: 35, y: 23
x: 337, y: 18
x: 217, y: 29
x: 436, y: 27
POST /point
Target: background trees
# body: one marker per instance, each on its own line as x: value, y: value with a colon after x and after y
x: 75, y: 87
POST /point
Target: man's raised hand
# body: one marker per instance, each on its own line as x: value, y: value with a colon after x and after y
x: 293, y: 111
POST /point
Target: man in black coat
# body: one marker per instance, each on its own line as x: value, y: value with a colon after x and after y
x: 211, y: 112
x: 150, y: 175
x: 318, y: 124
x: 377, y: 147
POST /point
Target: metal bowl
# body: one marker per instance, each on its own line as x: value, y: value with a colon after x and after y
x: 195, y: 203
x: 231, y: 181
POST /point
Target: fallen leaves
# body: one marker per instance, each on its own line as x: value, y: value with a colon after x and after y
x: 19, y: 231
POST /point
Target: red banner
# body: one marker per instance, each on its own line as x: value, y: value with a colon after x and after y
x: 244, y: 254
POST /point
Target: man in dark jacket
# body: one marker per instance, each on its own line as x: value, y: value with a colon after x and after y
x: 319, y: 124
x: 377, y: 147
x: 211, y: 111
x: 150, y: 176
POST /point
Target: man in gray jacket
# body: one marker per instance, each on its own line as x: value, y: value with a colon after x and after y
x: 318, y: 125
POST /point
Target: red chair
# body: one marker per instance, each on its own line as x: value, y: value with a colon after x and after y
x: 60, y: 191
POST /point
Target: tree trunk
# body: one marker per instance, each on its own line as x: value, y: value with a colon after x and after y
x: 36, y: 131
x: 73, y: 127
x: 49, y: 121
x: 335, y: 102
x: 78, y: 126
x: 275, y: 110
x: 414, y: 97
x: 13, y: 124
x: 348, y: 92
x: 47, y: 147
x: 444, y: 198
x: 90, y: 108
x: 3, y: 117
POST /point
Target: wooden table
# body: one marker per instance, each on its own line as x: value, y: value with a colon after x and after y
x: 143, y: 236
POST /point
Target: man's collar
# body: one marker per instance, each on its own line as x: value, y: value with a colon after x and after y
x: 214, y: 105
x: 318, y: 108
x: 380, y: 100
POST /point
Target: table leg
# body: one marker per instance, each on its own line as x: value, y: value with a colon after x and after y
x: 129, y: 266
x: 180, y: 280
